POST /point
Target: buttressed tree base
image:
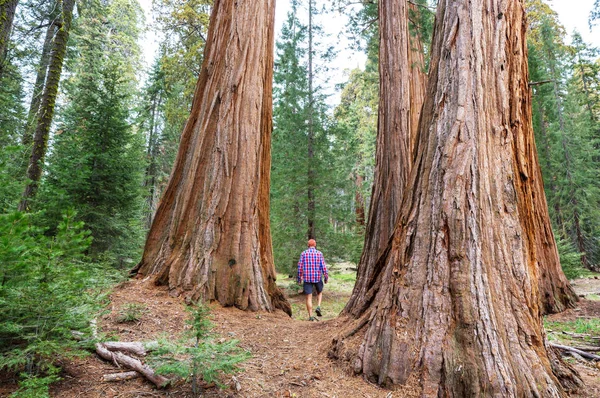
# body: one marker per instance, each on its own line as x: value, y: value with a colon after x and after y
x: 210, y: 238
x: 458, y: 312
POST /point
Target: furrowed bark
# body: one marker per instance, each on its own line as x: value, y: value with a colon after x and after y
x: 48, y: 101
x: 402, y: 86
x: 210, y: 237
x: 458, y: 313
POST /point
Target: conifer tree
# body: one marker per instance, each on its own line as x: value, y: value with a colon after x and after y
x: 97, y: 161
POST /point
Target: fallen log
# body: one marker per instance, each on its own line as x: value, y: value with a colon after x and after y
x: 583, y: 354
x: 121, y: 359
x: 121, y: 376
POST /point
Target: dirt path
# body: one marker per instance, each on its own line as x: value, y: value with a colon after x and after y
x: 289, y: 356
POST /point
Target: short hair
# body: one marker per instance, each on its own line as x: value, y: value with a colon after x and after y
x: 312, y: 243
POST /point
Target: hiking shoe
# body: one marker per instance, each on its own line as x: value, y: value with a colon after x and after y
x: 318, y: 311
x: 313, y: 319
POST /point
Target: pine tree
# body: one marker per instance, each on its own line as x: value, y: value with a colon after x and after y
x: 289, y: 161
x: 564, y: 106
x: 97, y: 162
x: 151, y: 119
x: 313, y: 184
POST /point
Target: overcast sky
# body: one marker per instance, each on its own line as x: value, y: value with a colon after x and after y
x: 573, y: 14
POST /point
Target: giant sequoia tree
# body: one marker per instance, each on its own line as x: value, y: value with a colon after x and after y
x: 402, y: 86
x: 210, y: 237
x: 458, y: 312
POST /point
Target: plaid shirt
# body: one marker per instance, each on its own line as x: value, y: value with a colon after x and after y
x: 311, y: 265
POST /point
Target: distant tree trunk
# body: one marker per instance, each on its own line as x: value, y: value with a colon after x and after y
x: 7, y: 16
x: 311, y: 131
x: 48, y: 101
x: 359, y: 199
x: 152, y: 154
x: 40, y: 80
x: 210, y: 238
x: 458, y: 312
x: 401, y: 93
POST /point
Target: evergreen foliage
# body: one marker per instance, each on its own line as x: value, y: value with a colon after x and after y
x: 48, y: 288
x: 97, y: 161
x: 565, y: 108
x: 199, y: 355
x: 12, y: 153
x: 335, y: 224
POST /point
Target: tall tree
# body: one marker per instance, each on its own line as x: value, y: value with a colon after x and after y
x: 402, y: 85
x: 40, y: 79
x: 97, y: 160
x: 7, y: 16
x: 152, y: 121
x: 210, y: 238
x: 48, y: 102
x: 458, y: 313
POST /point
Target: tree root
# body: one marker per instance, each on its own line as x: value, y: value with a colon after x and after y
x: 564, y: 372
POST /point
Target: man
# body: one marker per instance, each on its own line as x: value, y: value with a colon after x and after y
x: 310, y: 268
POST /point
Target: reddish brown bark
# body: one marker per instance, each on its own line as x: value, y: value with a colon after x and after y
x: 359, y: 200
x: 402, y: 86
x: 458, y: 312
x: 210, y: 237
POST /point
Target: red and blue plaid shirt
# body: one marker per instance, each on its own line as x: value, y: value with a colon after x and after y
x: 311, y: 265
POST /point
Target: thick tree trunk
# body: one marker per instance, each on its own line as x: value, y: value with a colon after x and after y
x: 402, y: 86
x: 7, y: 16
x: 48, y: 101
x: 458, y: 312
x: 40, y: 80
x: 210, y: 238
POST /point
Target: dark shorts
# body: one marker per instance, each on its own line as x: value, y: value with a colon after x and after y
x: 308, y: 287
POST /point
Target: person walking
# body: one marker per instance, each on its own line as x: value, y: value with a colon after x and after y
x: 311, y: 268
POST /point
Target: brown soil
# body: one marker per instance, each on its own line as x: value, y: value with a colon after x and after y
x: 289, y: 356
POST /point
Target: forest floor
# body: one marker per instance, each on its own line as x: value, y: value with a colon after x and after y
x: 288, y: 356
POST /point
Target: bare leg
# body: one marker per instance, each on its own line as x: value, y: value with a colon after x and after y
x: 319, y: 297
x: 309, y: 304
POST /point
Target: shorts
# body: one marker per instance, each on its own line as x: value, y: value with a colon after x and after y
x: 308, y: 287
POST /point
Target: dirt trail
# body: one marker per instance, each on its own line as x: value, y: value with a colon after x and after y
x: 289, y: 357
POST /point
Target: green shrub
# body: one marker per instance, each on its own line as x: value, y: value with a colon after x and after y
x: 570, y: 259
x: 131, y: 312
x: 198, y: 355
x: 47, y: 289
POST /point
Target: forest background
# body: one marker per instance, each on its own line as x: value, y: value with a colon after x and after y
x: 88, y: 136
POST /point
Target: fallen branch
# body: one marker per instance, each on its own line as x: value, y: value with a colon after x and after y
x: 583, y: 354
x: 133, y: 347
x: 131, y: 363
x: 581, y: 335
x: 118, y: 358
x: 121, y: 376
